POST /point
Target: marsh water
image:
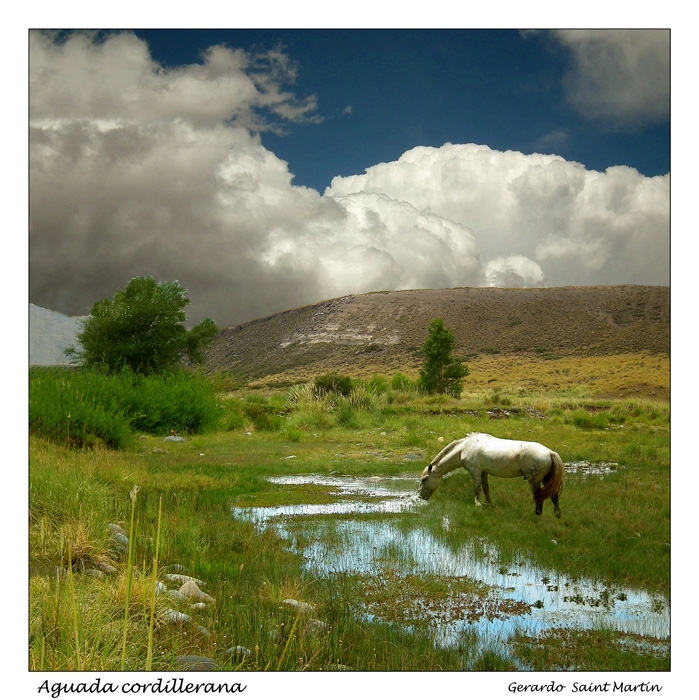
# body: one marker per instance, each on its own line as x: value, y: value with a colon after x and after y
x: 523, y: 596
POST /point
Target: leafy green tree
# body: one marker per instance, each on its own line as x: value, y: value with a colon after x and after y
x: 441, y: 373
x: 141, y: 327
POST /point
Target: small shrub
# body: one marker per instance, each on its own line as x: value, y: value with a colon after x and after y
x: 400, y: 381
x: 338, y: 383
x: 293, y: 435
x: 306, y: 397
x: 587, y: 421
x: 180, y: 401
x: 346, y: 416
x: 362, y: 399
x: 225, y: 381
x: 372, y: 347
x: 263, y: 418
x: 378, y: 384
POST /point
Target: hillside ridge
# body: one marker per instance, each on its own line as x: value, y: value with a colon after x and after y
x: 388, y: 328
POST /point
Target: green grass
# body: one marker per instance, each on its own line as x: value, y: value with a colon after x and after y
x: 87, y: 408
x: 591, y: 650
x: 615, y: 529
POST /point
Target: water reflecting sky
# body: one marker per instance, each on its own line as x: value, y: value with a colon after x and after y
x: 362, y: 546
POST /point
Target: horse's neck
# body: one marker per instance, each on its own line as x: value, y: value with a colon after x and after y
x: 449, y: 459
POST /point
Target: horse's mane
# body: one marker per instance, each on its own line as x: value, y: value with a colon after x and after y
x: 453, y: 442
x: 446, y: 449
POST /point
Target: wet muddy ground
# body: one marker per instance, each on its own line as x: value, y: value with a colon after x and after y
x: 411, y: 576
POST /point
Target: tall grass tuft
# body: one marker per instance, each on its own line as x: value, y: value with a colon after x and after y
x: 129, y: 575
x: 80, y: 409
x: 88, y: 408
x: 153, y: 584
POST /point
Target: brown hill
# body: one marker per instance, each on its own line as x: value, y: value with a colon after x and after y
x: 383, y: 331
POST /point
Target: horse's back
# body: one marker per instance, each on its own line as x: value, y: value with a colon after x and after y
x: 503, y: 457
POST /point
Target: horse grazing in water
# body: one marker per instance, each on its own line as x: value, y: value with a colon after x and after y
x: 483, y: 455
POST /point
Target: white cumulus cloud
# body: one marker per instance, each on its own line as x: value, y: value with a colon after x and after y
x: 578, y: 226
x: 514, y: 271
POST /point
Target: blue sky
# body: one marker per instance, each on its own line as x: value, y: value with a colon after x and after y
x: 266, y: 170
x: 407, y: 88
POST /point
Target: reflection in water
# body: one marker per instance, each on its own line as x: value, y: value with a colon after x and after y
x: 353, y: 545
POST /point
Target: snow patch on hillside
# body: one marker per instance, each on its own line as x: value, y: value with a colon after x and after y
x: 50, y: 334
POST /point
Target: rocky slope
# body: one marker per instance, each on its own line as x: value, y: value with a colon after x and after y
x: 384, y: 331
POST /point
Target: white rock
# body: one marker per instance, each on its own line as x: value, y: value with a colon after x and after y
x: 191, y: 590
x: 299, y: 605
x: 183, y: 578
x: 174, y: 616
x: 315, y: 628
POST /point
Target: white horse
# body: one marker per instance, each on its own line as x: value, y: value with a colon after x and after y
x: 482, y: 455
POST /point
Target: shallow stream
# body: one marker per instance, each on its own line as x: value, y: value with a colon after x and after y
x: 531, y: 599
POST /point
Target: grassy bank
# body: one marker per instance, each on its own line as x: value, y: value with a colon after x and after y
x: 87, y: 594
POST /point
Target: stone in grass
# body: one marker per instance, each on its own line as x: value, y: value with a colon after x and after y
x: 173, y: 438
x: 190, y: 662
x: 238, y: 652
x: 120, y: 539
x: 183, y: 578
x: 94, y: 573
x: 191, y: 590
x: 315, y: 628
x: 106, y: 567
x: 171, y: 615
x: 299, y: 605
x: 179, y: 568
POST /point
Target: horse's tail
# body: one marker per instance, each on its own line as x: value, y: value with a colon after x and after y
x: 553, y: 481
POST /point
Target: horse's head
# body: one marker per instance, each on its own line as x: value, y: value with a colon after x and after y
x: 429, y: 482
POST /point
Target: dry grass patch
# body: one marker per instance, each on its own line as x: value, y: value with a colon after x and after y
x: 603, y: 376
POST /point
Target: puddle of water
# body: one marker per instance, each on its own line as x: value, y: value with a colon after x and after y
x: 356, y: 546
x: 394, y: 486
x: 396, y: 498
x: 585, y: 468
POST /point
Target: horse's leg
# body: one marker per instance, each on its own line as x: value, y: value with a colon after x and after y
x: 486, y: 489
x: 556, y: 507
x: 536, y: 490
x: 539, y: 505
x: 477, y: 487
